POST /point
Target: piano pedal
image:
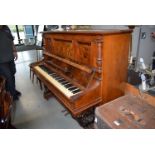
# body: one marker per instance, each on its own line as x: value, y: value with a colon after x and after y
x: 65, y: 112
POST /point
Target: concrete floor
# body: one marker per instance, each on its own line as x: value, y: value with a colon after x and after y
x: 32, y: 111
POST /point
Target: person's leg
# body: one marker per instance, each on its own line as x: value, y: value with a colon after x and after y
x: 12, y: 67
x: 13, y: 71
x: 10, y: 86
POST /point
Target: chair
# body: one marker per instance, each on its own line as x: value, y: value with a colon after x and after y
x: 38, y: 48
x: 31, y: 65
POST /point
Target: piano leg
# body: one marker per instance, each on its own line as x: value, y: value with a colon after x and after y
x: 65, y: 112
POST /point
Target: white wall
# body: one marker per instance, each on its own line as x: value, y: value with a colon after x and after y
x: 146, y: 45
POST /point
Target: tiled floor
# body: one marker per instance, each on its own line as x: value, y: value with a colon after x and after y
x: 32, y: 111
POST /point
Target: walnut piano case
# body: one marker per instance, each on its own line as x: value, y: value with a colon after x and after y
x: 84, y: 69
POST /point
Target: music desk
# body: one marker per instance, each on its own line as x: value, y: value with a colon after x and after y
x: 134, y: 110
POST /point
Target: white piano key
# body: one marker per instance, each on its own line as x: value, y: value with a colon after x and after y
x: 57, y: 84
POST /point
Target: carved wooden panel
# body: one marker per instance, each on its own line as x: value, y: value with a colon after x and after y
x: 64, y: 48
x: 83, y: 55
x: 80, y: 77
x: 48, y: 45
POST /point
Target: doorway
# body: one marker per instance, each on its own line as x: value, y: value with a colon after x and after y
x: 21, y: 32
x: 18, y: 33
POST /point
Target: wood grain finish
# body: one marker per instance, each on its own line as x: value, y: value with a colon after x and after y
x: 133, y: 110
x: 95, y: 61
x: 5, y: 105
x: 131, y: 90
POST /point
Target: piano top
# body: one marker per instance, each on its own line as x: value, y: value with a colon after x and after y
x: 92, y: 32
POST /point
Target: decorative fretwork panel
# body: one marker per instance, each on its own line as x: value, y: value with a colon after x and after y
x: 84, y: 53
x: 48, y: 45
x: 64, y: 49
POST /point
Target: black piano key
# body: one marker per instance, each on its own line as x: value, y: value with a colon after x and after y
x: 49, y: 72
x: 41, y: 66
x: 64, y: 83
x: 54, y: 76
x: 46, y: 70
x: 68, y: 85
x: 57, y: 77
x: 76, y: 91
x: 73, y: 88
x: 61, y: 80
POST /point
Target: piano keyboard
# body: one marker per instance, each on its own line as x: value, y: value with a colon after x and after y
x: 62, y: 84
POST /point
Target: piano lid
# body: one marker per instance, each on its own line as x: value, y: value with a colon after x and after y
x: 92, y: 32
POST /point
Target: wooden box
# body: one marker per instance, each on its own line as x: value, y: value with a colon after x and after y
x: 130, y: 111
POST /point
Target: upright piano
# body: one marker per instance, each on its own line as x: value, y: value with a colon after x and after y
x: 84, y: 68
